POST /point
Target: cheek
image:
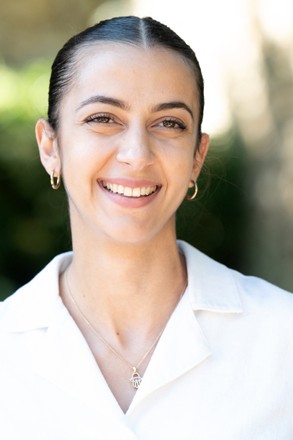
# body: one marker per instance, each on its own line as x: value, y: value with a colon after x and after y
x: 83, y: 152
x: 182, y: 161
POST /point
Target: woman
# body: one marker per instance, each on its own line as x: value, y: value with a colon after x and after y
x: 134, y: 335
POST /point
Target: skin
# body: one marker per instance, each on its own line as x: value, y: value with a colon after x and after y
x: 117, y: 126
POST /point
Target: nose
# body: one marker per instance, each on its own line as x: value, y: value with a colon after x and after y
x: 135, y: 148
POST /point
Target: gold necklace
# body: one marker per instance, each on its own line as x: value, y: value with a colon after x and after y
x: 135, y: 378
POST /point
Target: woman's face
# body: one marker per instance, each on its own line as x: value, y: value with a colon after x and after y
x: 126, y: 142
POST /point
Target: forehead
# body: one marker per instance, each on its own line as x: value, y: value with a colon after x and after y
x: 133, y: 71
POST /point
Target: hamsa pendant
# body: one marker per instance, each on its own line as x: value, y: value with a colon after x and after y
x: 135, y: 379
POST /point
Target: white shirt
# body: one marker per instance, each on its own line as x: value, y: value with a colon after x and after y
x: 222, y: 370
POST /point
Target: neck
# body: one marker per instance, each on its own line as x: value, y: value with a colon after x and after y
x: 127, y: 287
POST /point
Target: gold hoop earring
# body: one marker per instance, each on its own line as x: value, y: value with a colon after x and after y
x: 194, y: 194
x: 55, y: 180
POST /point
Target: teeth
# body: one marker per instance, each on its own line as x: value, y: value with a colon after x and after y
x: 136, y: 192
x: 129, y: 192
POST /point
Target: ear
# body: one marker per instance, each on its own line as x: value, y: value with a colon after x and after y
x: 199, y: 157
x: 48, y: 147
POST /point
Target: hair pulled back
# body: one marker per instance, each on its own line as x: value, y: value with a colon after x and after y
x: 145, y: 32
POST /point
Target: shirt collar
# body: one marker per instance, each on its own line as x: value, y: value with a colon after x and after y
x: 211, y: 285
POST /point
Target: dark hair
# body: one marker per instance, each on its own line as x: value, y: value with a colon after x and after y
x: 132, y: 30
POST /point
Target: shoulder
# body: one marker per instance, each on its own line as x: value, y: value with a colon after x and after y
x: 247, y: 309
x: 217, y: 284
x: 31, y: 304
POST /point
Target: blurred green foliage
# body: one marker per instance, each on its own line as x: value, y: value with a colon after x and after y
x: 34, y: 221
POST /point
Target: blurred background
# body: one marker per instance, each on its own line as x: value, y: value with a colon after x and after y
x: 243, y: 216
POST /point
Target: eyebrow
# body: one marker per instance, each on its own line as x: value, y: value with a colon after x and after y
x: 171, y: 105
x: 124, y: 106
x: 105, y: 100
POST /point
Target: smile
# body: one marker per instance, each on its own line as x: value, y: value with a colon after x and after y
x: 127, y: 191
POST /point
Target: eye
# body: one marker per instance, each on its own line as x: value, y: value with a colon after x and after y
x: 173, y: 124
x: 100, y: 118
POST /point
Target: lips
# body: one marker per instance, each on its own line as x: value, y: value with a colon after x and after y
x: 127, y: 191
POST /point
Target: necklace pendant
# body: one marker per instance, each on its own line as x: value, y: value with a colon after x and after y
x: 135, y: 379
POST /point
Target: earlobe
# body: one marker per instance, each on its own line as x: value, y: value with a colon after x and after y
x: 48, y: 146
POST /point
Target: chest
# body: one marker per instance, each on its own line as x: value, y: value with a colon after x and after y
x: 193, y: 406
